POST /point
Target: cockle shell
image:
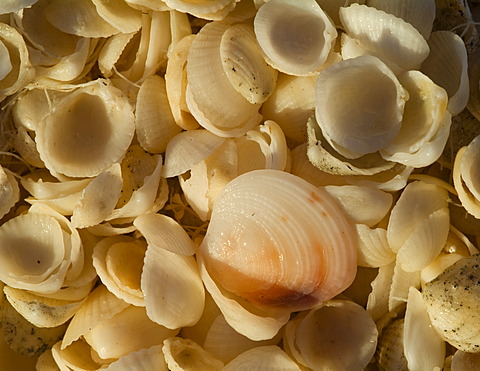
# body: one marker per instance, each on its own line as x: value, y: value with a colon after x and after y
x: 144, y: 359
x: 10, y: 6
x: 390, y: 354
x: 296, y: 37
x: 275, y: 286
x: 320, y: 344
x: 452, y: 301
x: 396, y: 42
x: 270, y: 357
x: 184, y: 354
x: 373, y: 117
x: 87, y: 131
x: 9, y: 191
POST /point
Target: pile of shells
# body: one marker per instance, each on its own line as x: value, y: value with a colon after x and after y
x: 239, y: 184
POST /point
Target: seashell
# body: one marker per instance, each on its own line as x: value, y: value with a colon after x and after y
x: 269, y: 357
x: 390, y: 349
x: 244, y: 65
x: 332, y: 8
x: 116, y: 337
x: 41, y: 264
x: 390, y: 180
x: 303, y: 168
x: 373, y: 249
x: 164, y: 232
x: 464, y: 177
x: 377, y: 301
x: 41, y: 311
x: 423, y: 347
x: 225, y: 344
x: 397, y: 43
x: 147, y: 5
x: 118, y: 262
x: 100, y: 306
x: 154, y: 122
x: 144, y: 359
x: 290, y: 105
x: 401, y: 283
x: 114, y: 48
x: 418, y: 235
x: 98, y: 198
x: 176, y: 83
x: 303, y: 42
x: 183, y: 354
x: 77, y: 356
x: 69, y: 130
x: 27, y: 148
x: 465, y: 361
x: 419, y: 14
x: 447, y: 66
x: 179, y: 300
x: 14, y: 53
x: 425, y: 125
x: 11, y: 6
x: 187, y: 149
x: 118, y: 14
x: 267, y: 217
x: 208, y: 85
x: 357, y: 202
x: 10, y: 192
x: 367, y: 124
x: 325, y: 158
x: 79, y: 18
x: 21, y: 337
x: 322, y: 344
x: 451, y: 300
x: 46, y: 362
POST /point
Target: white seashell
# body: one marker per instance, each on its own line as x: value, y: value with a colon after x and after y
x: 119, y: 335
x: 396, y: 42
x: 145, y: 359
x: 332, y: 8
x: 98, y: 198
x: 244, y: 65
x: 400, y: 285
x: 447, y: 66
x: 187, y: 149
x: 118, y: 14
x: 419, y: 234
x: 390, y: 180
x: 452, y: 302
x: 267, y: 357
x: 176, y: 83
x: 79, y: 18
x: 164, y: 232
x: 22, y: 71
x: 338, y: 335
x: 118, y: 262
x: 377, y: 302
x: 179, y: 300
x: 9, y: 191
x: 41, y: 311
x: 100, y: 306
x: 372, y: 119
x: 373, y: 248
x: 423, y: 347
x: 290, y: 105
x: 208, y: 85
x: 154, y: 122
x: 185, y: 354
x: 465, y: 177
x: 10, y: 6
x: 362, y: 205
x: 266, y: 215
x: 112, y: 50
x: 465, y: 361
x: 425, y: 125
x: 420, y: 14
x: 86, y: 132
x: 77, y: 356
x: 225, y: 344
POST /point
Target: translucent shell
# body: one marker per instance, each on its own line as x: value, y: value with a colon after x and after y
x: 372, y: 118
x: 263, y: 357
x: 296, y: 37
x: 261, y: 206
x: 391, y: 39
x: 10, y: 192
x: 86, y: 132
x: 183, y: 354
